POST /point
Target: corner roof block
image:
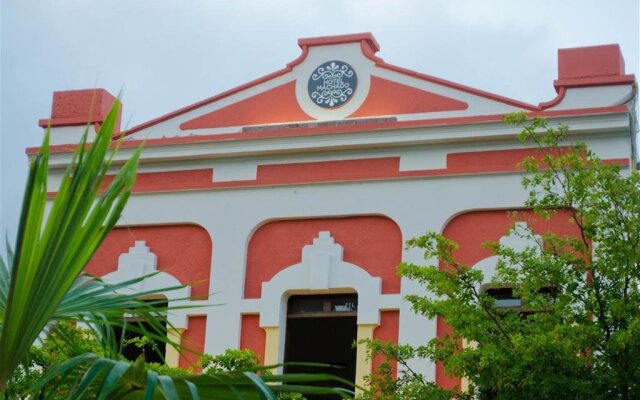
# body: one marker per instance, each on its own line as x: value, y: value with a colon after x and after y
x: 73, y: 110
x: 79, y: 107
x: 591, y: 66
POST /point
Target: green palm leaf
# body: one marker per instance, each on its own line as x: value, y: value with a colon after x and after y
x: 41, y: 284
x: 103, y: 378
x: 50, y: 253
x: 102, y: 307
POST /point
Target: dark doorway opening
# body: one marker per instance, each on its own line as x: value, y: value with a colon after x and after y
x: 134, y: 329
x: 322, y: 329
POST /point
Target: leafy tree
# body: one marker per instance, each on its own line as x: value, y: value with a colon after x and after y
x: 42, y: 285
x: 577, y: 334
x: 63, y: 343
x: 230, y: 360
x: 237, y: 361
x: 389, y: 383
x: 68, y: 341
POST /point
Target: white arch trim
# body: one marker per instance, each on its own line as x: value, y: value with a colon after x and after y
x: 323, y: 269
x: 140, y: 261
x: 517, y: 239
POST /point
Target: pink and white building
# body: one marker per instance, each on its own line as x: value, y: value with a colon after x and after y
x: 284, y: 203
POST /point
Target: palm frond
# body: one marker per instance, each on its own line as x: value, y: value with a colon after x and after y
x: 51, y: 252
x: 102, y: 307
x: 102, y: 378
x: 41, y: 284
x: 5, y: 279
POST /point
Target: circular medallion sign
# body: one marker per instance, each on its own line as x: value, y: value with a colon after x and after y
x: 332, y: 84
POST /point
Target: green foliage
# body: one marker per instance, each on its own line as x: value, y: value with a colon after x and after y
x: 230, y: 361
x: 581, y: 339
x: 238, y: 361
x: 41, y: 286
x: 408, y: 384
x: 63, y: 343
x: 163, y: 369
x: 67, y: 342
x: 51, y: 252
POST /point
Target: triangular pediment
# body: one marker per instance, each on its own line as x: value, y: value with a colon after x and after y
x: 277, y: 105
x: 392, y: 98
x: 335, y: 79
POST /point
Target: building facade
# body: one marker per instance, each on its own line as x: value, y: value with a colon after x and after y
x: 284, y: 204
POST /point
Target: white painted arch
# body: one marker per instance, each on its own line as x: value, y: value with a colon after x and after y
x: 323, y: 270
x: 517, y: 239
x: 139, y: 261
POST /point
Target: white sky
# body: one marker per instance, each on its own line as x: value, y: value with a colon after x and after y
x: 165, y: 54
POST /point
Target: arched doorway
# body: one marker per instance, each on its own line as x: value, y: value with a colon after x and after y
x: 322, y: 329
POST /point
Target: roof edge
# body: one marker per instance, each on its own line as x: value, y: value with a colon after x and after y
x: 364, y: 37
x: 494, y: 118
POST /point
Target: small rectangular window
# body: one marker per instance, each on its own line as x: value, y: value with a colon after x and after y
x: 505, y: 299
x: 322, y: 305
